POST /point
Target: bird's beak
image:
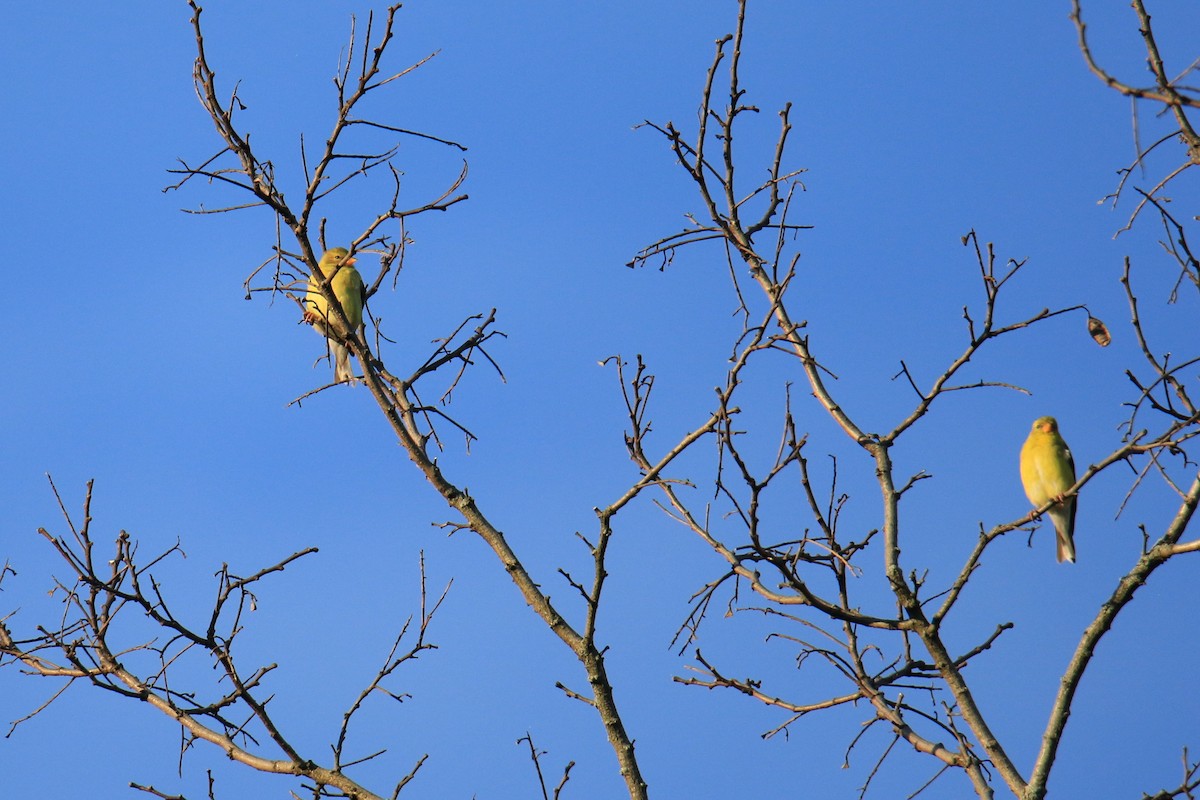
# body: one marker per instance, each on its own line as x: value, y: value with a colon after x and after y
x: 350, y: 261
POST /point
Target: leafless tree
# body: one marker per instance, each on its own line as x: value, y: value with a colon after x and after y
x: 1176, y: 101
x: 821, y: 585
x: 818, y: 583
x: 112, y: 598
x: 99, y: 591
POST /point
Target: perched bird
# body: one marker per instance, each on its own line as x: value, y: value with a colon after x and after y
x: 1047, y: 471
x: 347, y: 284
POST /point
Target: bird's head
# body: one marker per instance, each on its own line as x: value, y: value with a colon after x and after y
x: 335, y: 257
x: 1045, y: 425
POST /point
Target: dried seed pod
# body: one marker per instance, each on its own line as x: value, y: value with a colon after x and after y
x: 1098, y: 331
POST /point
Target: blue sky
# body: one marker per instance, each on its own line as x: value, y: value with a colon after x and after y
x: 135, y: 360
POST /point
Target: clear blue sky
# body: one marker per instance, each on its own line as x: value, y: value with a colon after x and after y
x: 135, y: 360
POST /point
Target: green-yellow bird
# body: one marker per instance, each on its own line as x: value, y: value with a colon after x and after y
x: 1047, y: 471
x: 347, y: 284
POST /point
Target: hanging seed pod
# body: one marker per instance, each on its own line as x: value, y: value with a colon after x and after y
x: 1098, y: 331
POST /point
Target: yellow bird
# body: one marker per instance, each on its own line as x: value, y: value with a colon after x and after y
x: 1047, y: 471
x: 347, y: 284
